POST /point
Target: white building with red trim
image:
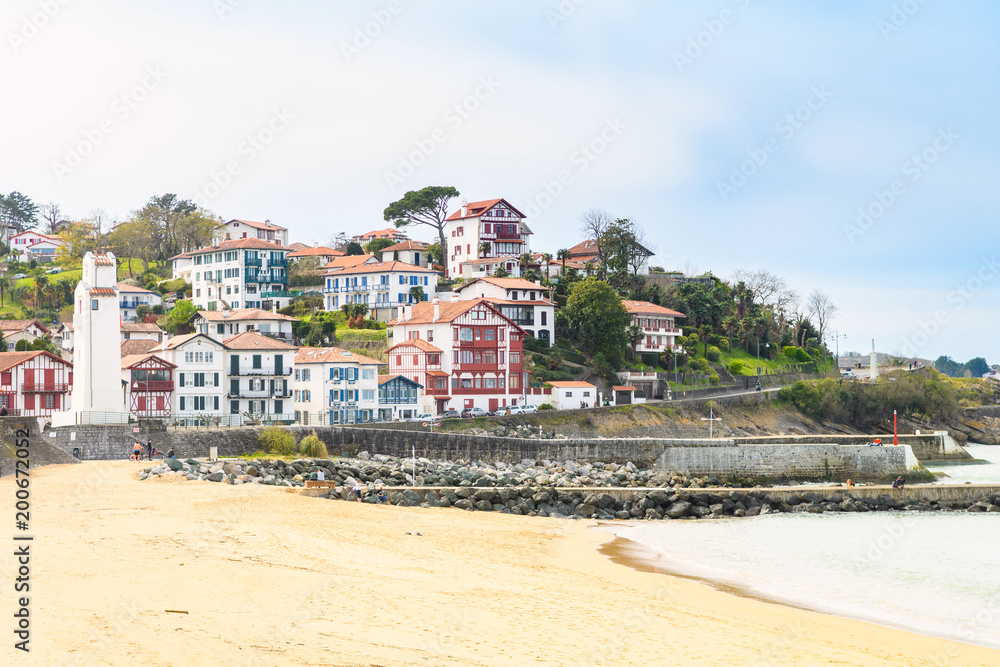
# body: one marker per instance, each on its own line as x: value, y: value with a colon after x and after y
x: 26, y: 330
x: 250, y: 229
x: 382, y: 286
x: 34, y: 384
x: 494, y: 222
x: 31, y: 245
x: 572, y: 395
x: 469, y: 344
x: 523, y: 302
x: 149, y: 385
x: 659, y: 325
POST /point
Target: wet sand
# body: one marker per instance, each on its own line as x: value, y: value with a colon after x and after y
x: 269, y: 577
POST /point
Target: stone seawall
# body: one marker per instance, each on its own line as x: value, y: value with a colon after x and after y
x: 937, y: 446
x: 40, y: 451
x: 794, y: 462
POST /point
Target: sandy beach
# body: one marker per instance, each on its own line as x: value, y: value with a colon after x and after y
x: 168, y: 572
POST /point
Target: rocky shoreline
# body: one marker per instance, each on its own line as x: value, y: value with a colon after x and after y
x: 544, y: 488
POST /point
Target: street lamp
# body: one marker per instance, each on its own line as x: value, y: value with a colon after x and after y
x: 838, y: 336
x: 766, y: 345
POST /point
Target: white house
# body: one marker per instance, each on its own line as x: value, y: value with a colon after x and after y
x: 243, y: 273
x: 221, y: 325
x: 63, y: 336
x: 183, y: 266
x: 131, y: 297
x: 17, y: 330
x: 335, y: 386
x: 260, y: 375
x: 382, y: 286
x: 570, y: 395
x: 493, y: 222
x: 324, y: 254
x: 34, y: 383
x: 142, y: 331
x: 34, y: 245
x: 658, y: 324
x: 249, y: 229
x: 484, y: 268
x: 391, y: 233
x: 202, y: 382
x: 408, y: 252
x: 399, y: 397
x: 523, y: 302
x: 464, y: 353
x: 992, y: 374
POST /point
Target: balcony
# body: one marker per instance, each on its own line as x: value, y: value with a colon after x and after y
x: 252, y: 262
x: 45, y: 388
x: 280, y: 295
x: 264, y: 370
x: 479, y: 344
x: 438, y: 392
x: 153, y: 385
x: 476, y: 368
x: 265, y: 276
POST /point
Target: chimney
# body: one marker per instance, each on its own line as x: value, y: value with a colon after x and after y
x: 399, y: 313
x: 538, y: 283
x: 437, y: 309
x: 408, y: 312
x: 465, y: 208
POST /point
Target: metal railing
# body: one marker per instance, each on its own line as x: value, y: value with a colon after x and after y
x: 264, y: 370
x: 45, y: 387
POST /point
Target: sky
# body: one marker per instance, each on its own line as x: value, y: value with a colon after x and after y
x: 848, y: 147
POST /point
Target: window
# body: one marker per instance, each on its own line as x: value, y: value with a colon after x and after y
x: 367, y: 394
x: 306, y: 374
x: 367, y: 373
x: 544, y: 316
x: 515, y: 381
x: 569, y: 394
x: 586, y: 394
x: 465, y: 334
x: 93, y: 304
x: 489, y: 334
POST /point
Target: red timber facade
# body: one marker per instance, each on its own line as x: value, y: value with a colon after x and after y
x: 34, y: 384
x: 481, y: 354
x: 150, y: 383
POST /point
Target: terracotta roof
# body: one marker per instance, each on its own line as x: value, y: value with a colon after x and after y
x: 243, y: 314
x: 138, y: 346
x: 177, y: 341
x: 646, y: 308
x: 559, y: 384
x: 125, y: 287
x: 13, y: 326
x: 622, y: 388
x: 515, y: 302
x: 387, y: 233
x: 133, y: 359
x: 10, y: 359
x: 256, y: 225
x: 103, y: 260
x: 316, y: 252
x: 183, y: 255
x: 381, y: 267
x: 239, y: 244
x: 102, y: 291
x: 323, y: 355
x: 423, y: 312
x: 588, y: 247
x: 436, y: 373
x: 418, y: 343
x: 141, y: 327
x: 492, y: 260
x: 406, y: 245
x: 251, y: 340
x: 477, y: 208
x: 507, y: 283
x: 349, y: 260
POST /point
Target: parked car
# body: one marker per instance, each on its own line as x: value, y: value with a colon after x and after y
x: 424, y: 417
x: 469, y: 413
x: 449, y: 414
x: 18, y: 276
x: 848, y: 375
x: 55, y: 270
x: 522, y: 409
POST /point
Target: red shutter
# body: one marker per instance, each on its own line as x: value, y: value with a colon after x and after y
x: 29, y: 401
x: 5, y: 378
x: 50, y: 376
x: 142, y: 404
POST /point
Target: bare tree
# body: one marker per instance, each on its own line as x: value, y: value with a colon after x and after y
x: 821, y: 309
x: 99, y: 219
x: 52, y: 214
x: 596, y: 223
x: 767, y: 289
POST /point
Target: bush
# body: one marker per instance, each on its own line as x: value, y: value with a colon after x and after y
x: 789, y: 351
x: 312, y: 447
x: 802, y: 355
x: 651, y: 359
x: 277, y: 440
x: 738, y: 368
x: 545, y: 406
x: 724, y: 344
x: 714, y: 354
x: 703, y: 365
x: 714, y: 379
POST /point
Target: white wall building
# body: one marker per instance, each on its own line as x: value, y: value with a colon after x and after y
x: 260, y: 375
x: 249, y: 229
x: 17, y: 330
x: 221, y: 325
x: 495, y: 222
x: 142, y: 331
x: 131, y: 297
x: 382, y: 286
x: 523, y: 302
x: 335, y: 386
x: 570, y: 395
x: 408, y: 252
x: 244, y: 273
x: 658, y: 324
x: 202, y: 382
x: 31, y: 245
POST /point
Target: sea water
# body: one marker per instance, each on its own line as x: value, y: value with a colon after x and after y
x: 936, y: 573
x: 986, y: 470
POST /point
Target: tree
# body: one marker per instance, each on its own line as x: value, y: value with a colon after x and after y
x: 624, y: 249
x: 354, y: 248
x: 434, y: 254
x: 484, y: 248
x: 417, y: 294
x: 500, y: 272
x: 635, y: 335
x: 132, y: 240
x: 821, y: 310
x: 177, y: 320
x: 562, y: 255
x: 596, y: 223
x: 596, y: 320
x: 18, y: 211
x: 52, y: 214
x: 77, y: 240
x: 376, y: 246
x: 977, y: 367
x: 546, y: 259
x: 423, y: 207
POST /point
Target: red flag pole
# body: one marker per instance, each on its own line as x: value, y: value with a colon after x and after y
x: 895, y: 429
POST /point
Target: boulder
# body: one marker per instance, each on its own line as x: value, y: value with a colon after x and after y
x: 219, y: 476
x: 173, y: 464
x: 678, y: 509
x: 586, y: 510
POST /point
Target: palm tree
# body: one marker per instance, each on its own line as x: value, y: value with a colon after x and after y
x: 524, y: 260
x: 562, y: 255
x: 484, y: 249
x: 546, y: 257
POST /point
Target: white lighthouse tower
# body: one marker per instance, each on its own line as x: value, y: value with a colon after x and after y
x: 97, y: 384
x: 874, y: 363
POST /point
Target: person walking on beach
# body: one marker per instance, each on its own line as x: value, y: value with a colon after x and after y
x: 137, y: 450
x: 149, y: 449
